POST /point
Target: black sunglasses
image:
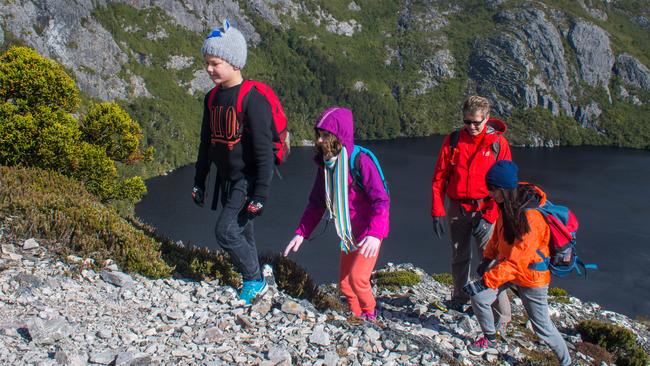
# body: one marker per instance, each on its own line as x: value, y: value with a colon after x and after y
x: 470, y: 122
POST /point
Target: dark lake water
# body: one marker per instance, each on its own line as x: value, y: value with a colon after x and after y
x: 608, y: 189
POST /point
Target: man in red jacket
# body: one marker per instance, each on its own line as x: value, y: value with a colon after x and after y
x: 465, y: 157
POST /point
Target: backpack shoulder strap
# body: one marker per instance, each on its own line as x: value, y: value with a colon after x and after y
x: 355, y: 169
x: 496, y: 147
x: 355, y: 166
x: 244, y: 90
x: 453, y: 139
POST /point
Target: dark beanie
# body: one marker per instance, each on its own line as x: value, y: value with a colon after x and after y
x: 503, y: 174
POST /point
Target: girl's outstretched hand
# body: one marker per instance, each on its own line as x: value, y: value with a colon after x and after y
x: 294, y: 244
x: 369, y: 246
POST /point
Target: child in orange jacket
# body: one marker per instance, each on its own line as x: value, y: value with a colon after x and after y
x: 519, y: 233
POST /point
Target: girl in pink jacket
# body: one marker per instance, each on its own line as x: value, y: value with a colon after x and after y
x: 359, y: 208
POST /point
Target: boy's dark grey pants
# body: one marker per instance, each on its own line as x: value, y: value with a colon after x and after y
x: 234, y: 230
x: 461, y: 224
x: 535, y: 302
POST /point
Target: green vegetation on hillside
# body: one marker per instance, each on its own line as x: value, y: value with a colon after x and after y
x: 312, y: 68
x: 46, y: 205
x: 37, y: 129
x: 393, y: 280
x: 619, y: 341
x: 171, y: 120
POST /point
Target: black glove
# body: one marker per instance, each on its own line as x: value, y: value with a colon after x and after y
x: 481, y: 228
x: 198, y: 196
x: 439, y: 226
x: 484, y: 266
x: 474, y: 287
x: 255, y: 208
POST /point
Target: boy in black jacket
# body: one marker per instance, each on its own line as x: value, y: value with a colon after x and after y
x: 242, y: 149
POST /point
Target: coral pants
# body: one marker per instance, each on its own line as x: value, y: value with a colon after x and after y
x: 354, y: 281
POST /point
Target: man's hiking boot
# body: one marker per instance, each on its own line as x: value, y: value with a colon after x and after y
x: 252, y: 289
x: 482, y: 345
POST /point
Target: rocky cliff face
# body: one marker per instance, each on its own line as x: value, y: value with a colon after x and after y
x: 522, y: 55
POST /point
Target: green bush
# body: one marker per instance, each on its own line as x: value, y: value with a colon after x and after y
x: 48, y: 205
x: 37, y: 130
x: 615, y: 339
x: 109, y: 126
x: 395, y: 279
x: 31, y: 80
x: 444, y: 278
x: 560, y: 295
x: 557, y: 291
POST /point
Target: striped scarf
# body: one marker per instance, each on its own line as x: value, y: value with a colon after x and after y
x: 336, y: 198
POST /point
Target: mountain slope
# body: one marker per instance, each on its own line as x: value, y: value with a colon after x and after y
x: 560, y: 72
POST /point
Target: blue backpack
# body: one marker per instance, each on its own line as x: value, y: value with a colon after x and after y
x: 563, y: 226
x: 355, y: 169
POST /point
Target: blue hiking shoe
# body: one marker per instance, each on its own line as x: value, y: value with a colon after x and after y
x: 252, y: 289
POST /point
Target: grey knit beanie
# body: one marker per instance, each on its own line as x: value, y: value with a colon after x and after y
x: 228, y: 44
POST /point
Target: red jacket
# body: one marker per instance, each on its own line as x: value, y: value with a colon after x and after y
x: 464, y: 177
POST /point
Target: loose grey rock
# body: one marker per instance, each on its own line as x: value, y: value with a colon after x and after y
x: 123, y: 359
x: 30, y: 244
x: 262, y: 307
x: 491, y: 358
x: 372, y: 334
x: 118, y: 279
x: 279, y: 354
x: 27, y: 280
x: 102, y: 358
x: 135, y: 329
x: 331, y: 359
x: 104, y: 334
x: 61, y: 358
x: 354, y: 6
x: 320, y: 336
x: 46, y: 332
x: 292, y: 307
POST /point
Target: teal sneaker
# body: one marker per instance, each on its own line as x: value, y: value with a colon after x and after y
x: 252, y: 289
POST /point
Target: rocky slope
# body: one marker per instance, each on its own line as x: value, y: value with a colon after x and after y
x: 76, y: 312
x: 404, y: 66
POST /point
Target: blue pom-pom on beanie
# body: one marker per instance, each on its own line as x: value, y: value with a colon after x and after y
x: 228, y: 44
x: 503, y: 174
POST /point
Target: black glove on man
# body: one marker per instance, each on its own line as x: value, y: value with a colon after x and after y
x: 198, y: 196
x: 481, y: 228
x: 474, y: 287
x: 439, y: 226
x: 484, y: 266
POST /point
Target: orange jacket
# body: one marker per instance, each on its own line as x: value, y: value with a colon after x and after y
x: 464, y: 177
x: 513, y: 260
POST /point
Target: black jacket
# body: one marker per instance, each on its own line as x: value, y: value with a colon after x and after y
x: 252, y: 157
